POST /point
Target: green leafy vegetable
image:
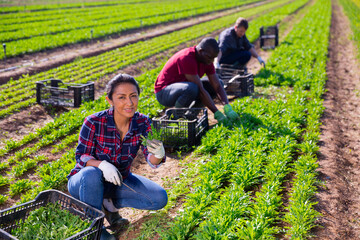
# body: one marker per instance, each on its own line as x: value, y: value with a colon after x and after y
x: 50, y: 222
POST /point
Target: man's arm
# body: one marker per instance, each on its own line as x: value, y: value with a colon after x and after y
x: 204, y: 95
x: 253, y: 52
x: 219, y: 89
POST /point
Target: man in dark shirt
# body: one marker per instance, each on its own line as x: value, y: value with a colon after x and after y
x: 234, y: 46
x: 179, y: 84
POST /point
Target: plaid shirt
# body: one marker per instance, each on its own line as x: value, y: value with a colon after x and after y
x: 99, y: 140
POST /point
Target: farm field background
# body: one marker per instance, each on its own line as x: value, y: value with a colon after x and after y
x: 287, y: 167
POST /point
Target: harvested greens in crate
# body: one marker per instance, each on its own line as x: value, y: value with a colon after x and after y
x: 54, y: 214
x: 182, y: 126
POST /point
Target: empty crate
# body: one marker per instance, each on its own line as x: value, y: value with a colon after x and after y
x: 236, y: 81
x: 55, y: 92
x: 269, y: 37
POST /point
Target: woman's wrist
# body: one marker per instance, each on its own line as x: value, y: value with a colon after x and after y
x: 154, y: 160
x: 93, y: 162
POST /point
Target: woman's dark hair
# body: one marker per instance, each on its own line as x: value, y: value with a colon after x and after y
x: 120, y: 79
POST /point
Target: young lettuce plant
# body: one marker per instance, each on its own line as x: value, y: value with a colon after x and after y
x: 154, y: 134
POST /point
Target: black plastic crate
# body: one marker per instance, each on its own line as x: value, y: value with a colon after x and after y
x: 236, y: 80
x: 57, y: 93
x: 269, y: 37
x: 182, y: 126
x: 239, y: 85
x: 230, y: 70
x: 9, y: 218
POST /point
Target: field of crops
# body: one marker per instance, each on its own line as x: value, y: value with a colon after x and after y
x: 45, y: 27
x: 255, y: 180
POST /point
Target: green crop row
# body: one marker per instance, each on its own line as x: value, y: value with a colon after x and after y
x: 91, y: 69
x: 39, y: 36
x: 78, y: 5
x: 352, y: 10
x: 301, y: 214
x: 59, y: 20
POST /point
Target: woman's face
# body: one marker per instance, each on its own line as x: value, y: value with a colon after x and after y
x: 125, y: 100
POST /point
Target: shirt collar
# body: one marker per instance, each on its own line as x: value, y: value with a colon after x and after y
x: 234, y: 33
x: 111, y: 122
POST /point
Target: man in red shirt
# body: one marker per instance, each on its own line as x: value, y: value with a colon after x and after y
x: 179, y: 83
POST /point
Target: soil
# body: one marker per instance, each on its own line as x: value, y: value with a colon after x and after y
x: 339, y: 159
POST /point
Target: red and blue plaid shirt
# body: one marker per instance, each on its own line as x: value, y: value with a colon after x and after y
x: 99, y: 140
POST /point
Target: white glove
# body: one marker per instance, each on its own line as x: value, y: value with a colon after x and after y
x: 110, y: 172
x: 261, y: 61
x: 156, y: 148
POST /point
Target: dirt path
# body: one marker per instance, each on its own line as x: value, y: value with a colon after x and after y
x: 339, y: 158
x: 38, y: 62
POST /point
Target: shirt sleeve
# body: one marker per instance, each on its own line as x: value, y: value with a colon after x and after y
x: 144, y: 148
x: 86, y: 146
x: 225, y: 42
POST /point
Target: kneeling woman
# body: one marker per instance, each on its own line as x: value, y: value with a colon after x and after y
x: 108, y: 143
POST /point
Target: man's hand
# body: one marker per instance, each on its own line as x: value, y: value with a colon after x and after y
x: 156, y: 148
x: 221, y: 118
x: 110, y: 173
x: 262, y: 62
x: 230, y: 113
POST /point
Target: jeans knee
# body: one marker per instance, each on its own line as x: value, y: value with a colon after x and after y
x: 160, y: 200
x: 189, y: 94
x: 193, y: 89
x: 92, y: 176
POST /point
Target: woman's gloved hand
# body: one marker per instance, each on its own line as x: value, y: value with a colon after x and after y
x: 111, y: 173
x: 156, y: 148
x: 230, y: 113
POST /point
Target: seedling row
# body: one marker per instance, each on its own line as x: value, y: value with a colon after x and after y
x: 352, y: 10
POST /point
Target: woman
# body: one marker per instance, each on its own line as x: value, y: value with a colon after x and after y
x: 108, y: 143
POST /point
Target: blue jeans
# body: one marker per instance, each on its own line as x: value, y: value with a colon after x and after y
x: 237, y: 56
x: 182, y: 94
x: 89, y: 186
